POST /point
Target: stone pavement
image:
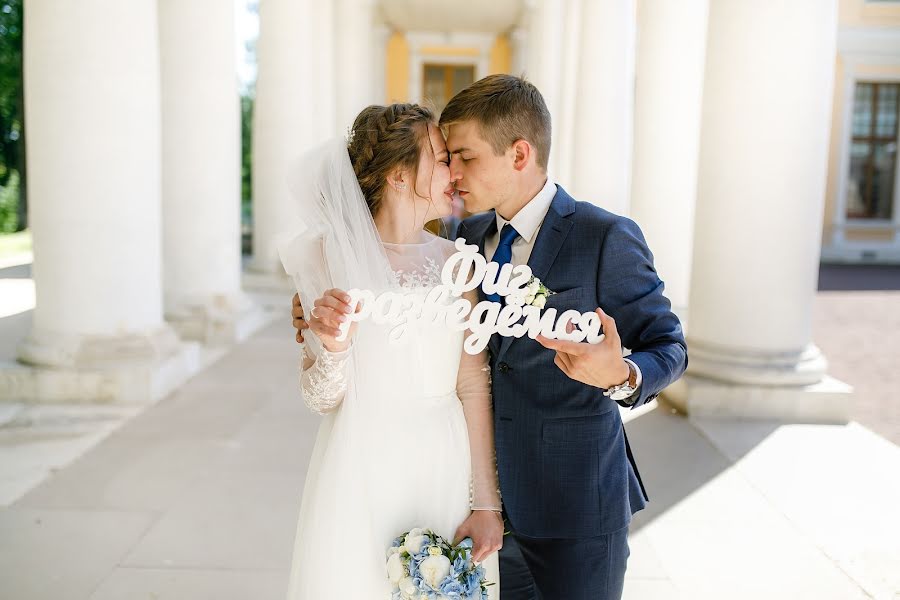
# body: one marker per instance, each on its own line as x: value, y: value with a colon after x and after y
x: 856, y: 323
x: 196, y: 499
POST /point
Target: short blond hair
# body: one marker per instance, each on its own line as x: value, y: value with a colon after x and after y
x: 507, y: 108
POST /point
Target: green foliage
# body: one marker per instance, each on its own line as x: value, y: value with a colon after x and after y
x: 9, y: 201
x: 247, y: 172
x: 246, y: 148
x: 11, y: 115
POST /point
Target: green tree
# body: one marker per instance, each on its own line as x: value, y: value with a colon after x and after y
x: 13, y: 207
x: 246, y: 171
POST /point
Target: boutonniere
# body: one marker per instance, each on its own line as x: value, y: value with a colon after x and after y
x: 536, y: 293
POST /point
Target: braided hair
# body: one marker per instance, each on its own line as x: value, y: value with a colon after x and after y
x: 383, y: 139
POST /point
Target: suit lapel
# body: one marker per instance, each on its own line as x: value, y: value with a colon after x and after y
x: 552, y: 234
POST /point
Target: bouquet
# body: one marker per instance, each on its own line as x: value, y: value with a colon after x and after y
x: 422, y: 565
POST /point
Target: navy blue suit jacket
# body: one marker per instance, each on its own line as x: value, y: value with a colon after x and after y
x: 565, y: 467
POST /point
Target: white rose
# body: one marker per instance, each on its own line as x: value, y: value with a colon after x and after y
x: 396, y: 570
x: 407, y: 587
x: 529, y: 299
x: 414, y: 541
x: 540, y: 301
x: 434, y: 569
x: 533, y: 287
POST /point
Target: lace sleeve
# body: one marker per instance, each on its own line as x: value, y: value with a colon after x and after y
x: 473, y: 386
x: 323, y: 379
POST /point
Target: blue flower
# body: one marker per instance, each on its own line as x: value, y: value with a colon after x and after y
x: 452, y: 588
x: 461, y: 564
x: 466, y: 543
x: 473, y: 580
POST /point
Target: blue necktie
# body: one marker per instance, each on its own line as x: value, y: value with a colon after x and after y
x: 503, y: 254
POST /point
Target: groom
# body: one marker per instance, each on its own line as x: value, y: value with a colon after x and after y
x: 567, y: 477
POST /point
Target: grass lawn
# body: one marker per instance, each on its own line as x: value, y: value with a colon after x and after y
x: 12, y: 244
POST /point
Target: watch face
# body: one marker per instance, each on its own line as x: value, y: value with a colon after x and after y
x: 621, y: 394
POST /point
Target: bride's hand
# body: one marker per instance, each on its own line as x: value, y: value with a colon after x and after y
x: 485, y: 527
x: 326, y: 317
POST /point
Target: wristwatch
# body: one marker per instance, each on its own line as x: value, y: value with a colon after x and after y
x: 626, y: 389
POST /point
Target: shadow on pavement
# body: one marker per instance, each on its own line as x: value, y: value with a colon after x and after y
x: 675, y: 459
x: 833, y: 278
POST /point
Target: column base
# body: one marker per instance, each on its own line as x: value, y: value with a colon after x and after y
x: 134, y: 368
x: 826, y: 401
x: 261, y: 265
x: 806, y: 366
x: 217, y: 321
x: 256, y: 281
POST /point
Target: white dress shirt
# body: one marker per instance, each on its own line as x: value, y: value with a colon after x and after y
x: 528, y: 222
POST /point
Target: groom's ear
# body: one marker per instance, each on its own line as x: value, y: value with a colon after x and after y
x: 522, y: 152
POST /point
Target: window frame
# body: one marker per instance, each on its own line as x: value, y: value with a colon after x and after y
x: 840, y: 222
x: 476, y: 49
x: 862, y: 56
x: 873, y: 140
x: 448, y: 77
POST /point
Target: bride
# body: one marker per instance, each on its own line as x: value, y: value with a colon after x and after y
x: 407, y: 438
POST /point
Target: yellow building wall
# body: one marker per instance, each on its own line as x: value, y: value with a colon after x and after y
x: 397, y: 69
x: 501, y: 56
x: 450, y: 51
x: 398, y: 57
x: 859, y: 13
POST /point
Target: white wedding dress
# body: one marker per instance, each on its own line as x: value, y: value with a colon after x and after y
x: 407, y: 437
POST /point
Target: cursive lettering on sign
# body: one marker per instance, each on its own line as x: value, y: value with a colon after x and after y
x: 465, y: 271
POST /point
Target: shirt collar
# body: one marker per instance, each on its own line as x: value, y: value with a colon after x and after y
x: 529, y: 218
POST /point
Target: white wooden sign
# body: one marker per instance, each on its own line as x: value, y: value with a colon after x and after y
x: 465, y: 271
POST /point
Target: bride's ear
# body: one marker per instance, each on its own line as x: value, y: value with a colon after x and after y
x: 398, y: 180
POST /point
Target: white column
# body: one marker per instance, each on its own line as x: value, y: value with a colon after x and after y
x: 668, y: 95
x: 354, y: 59
x: 518, y: 38
x: 324, y: 89
x: 761, y: 186
x: 380, y: 37
x: 603, y: 97
x: 201, y: 171
x: 93, y: 118
x: 286, y: 117
x: 545, y: 56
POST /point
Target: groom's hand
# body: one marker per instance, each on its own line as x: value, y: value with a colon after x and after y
x: 485, y: 527
x: 600, y: 365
